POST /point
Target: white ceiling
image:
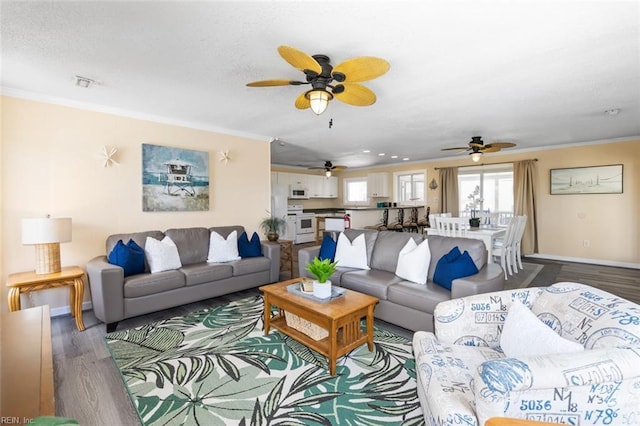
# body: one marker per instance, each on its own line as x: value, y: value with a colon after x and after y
x: 537, y: 73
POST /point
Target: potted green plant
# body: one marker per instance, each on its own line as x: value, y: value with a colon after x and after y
x: 272, y: 226
x: 322, y: 271
x: 473, y: 205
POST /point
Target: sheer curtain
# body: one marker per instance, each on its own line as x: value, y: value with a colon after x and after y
x: 524, y: 179
x: 449, y: 190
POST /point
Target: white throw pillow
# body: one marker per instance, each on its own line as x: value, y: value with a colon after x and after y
x: 162, y: 255
x: 351, y: 254
x: 524, y: 334
x: 413, y: 261
x: 221, y: 250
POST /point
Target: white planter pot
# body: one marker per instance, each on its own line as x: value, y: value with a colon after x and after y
x: 322, y: 290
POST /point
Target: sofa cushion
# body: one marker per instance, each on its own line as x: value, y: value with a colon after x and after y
x: 206, y: 272
x: 130, y: 257
x: 515, y: 343
x: 226, y: 230
x: 370, y: 237
x: 352, y: 254
x: 445, y: 375
x: 223, y: 249
x: 327, y: 248
x: 413, y: 262
x: 250, y: 265
x: 453, y: 265
x: 146, y: 284
x: 161, y: 255
x: 192, y: 243
x: 372, y: 281
x: 421, y: 297
x: 249, y: 248
x: 386, y: 249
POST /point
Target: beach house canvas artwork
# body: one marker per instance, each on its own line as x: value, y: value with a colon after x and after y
x: 174, y: 179
x: 587, y: 180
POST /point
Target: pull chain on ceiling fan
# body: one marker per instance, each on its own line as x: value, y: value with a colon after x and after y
x: 477, y: 147
x: 321, y: 75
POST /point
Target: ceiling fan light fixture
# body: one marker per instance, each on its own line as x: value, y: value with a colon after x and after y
x: 318, y: 100
x: 475, y: 156
x: 327, y: 173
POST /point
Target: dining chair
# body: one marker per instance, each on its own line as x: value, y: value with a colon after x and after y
x: 424, y: 222
x: 503, y: 248
x: 517, y: 240
x: 452, y: 226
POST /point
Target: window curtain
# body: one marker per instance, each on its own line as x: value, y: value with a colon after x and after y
x: 449, y: 191
x: 524, y: 179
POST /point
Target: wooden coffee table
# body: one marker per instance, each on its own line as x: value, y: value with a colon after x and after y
x: 340, y: 317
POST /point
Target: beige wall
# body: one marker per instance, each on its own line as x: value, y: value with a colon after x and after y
x: 608, y: 221
x: 50, y: 165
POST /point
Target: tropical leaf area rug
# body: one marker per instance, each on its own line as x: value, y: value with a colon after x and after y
x: 216, y: 367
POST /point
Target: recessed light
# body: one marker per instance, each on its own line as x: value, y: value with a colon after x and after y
x: 382, y: 154
x: 366, y: 151
x: 612, y: 111
x: 405, y: 159
x: 394, y: 156
x: 84, y: 82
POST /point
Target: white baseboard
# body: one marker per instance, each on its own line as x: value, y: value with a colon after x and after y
x: 584, y: 260
x: 66, y: 310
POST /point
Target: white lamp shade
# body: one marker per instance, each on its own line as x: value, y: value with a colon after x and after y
x: 476, y: 156
x: 46, y: 230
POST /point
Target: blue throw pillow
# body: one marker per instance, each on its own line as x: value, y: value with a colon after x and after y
x: 451, y: 267
x: 248, y: 248
x: 129, y: 257
x: 328, y: 248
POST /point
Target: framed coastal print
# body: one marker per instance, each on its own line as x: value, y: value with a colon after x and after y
x: 587, y: 180
x: 174, y: 179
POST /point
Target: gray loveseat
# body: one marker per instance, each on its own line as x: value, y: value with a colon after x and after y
x: 115, y: 297
x: 402, y: 302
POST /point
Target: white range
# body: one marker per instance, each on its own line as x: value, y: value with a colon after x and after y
x: 301, y: 226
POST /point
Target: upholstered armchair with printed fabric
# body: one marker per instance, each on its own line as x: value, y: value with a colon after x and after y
x: 569, y: 353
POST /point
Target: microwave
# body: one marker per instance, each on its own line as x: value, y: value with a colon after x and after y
x: 298, y: 193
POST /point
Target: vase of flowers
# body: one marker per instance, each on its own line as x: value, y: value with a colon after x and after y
x: 474, y: 204
x: 272, y: 226
x: 322, y: 271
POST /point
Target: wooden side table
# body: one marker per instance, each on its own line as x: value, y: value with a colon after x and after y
x: 72, y: 276
x: 286, y: 256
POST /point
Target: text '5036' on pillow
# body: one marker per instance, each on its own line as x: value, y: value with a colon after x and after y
x: 129, y: 257
x: 413, y: 261
x: 162, y: 255
x: 221, y: 249
x: 248, y: 248
x: 352, y: 254
x: 524, y: 334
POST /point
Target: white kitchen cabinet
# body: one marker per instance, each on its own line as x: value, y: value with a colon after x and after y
x: 322, y: 186
x: 378, y: 185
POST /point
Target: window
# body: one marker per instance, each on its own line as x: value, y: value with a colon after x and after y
x: 495, y: 189
x: 355, y: 191
x: 409, y: 187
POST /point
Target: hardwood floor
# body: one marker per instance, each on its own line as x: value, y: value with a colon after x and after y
x: 88, y: 386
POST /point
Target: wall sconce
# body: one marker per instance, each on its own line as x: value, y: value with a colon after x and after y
x: 46, y: 234
x: 433, y: 185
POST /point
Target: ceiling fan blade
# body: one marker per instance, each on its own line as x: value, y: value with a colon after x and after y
x: 302, y: 102
x: 274, y: 82
x: 362, y: 69
x: 501, y: 145
x: 356, y: 94
x: 338, y: 168
x: 299, y: 60
x: 490, y: 148
x: 459, y: 148
x: 477, y: 145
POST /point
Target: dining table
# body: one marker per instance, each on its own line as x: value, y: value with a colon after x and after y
x: 487, y: 235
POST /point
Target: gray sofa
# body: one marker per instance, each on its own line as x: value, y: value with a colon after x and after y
x: 402, y: 302
x: 115, y: 297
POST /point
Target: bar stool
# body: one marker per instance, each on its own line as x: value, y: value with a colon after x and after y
x: 382, y: 226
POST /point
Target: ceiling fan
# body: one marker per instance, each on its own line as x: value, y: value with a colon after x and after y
x: 322, y: 77
x: 328, y: 168
x: 477, y: 147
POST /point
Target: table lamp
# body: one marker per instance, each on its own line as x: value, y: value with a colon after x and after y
x: 46, y: 234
